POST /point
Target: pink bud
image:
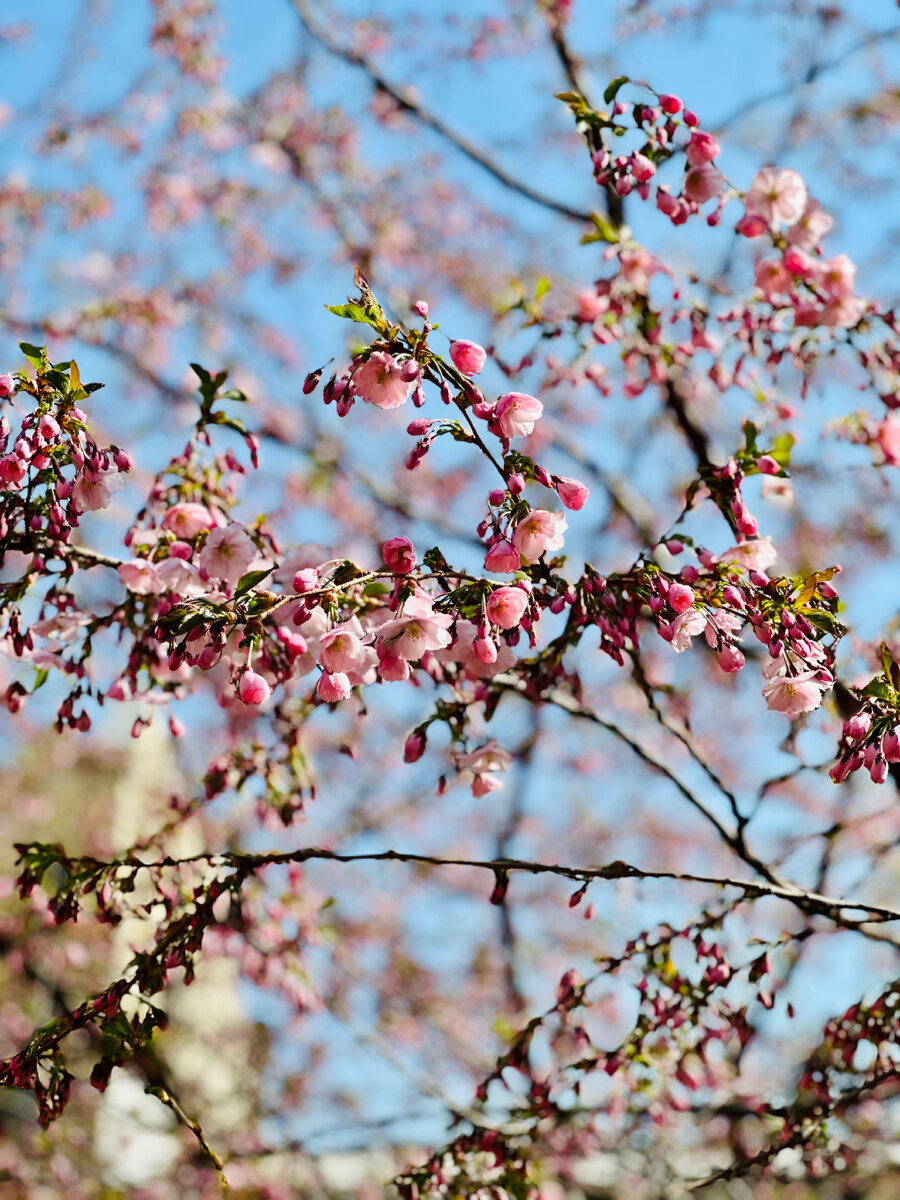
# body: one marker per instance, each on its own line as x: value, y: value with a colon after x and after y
x: 502, y: 557
x: 730, y: 658
x: 767, y: 465
x: 670, y: 104
x: 306, y: 580
x: 857, y: 726
x: 400, y: 555
x: 517, y: 483
x: 253, y: 689
x: 680, y: 597
x: 572, y: 493
x: 7, y: 385
x: 468, y: 357
x: 414, y: 747
x: 333, y: 686
x: 420, y: 308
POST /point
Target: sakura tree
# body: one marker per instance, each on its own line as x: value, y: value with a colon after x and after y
x: 496, y: 714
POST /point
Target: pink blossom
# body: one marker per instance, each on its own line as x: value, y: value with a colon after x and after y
x: 12, y: 470
x: 468, y: 357
x: 794, y: 694
x: 838, y: 276
x: 757, y: 555
x: 590, y: 306
x: 702, y: 183
x: 379, y: 380
x: 177, y: 575
x: 502, y: 557
x: 187, y: 520
x: 701, y: 149
x: 420, y: 628
x: 506, y: 606
x: 227, y: 554
x: 253, y: 689
x: 888, y: 438
x: 516, y: 413
x: 90, y: 494
x: 463, y: 651
x: 342, y: 649
x: 333, y: 687
x: 140, y: 577
x: 399, y: 554
x: 7, y: 385
x: 572, y: 493
x: 680, y: 597
x: 483, y: 762
x: 843, y: 312
x: 812, y: 226
x: 730, y: 658
x: 777, y: 195
x: 772, y: 277
x: 685, y: 626
x: 539, y: 531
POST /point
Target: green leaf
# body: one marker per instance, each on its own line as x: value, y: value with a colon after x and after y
x: 352, y: 312
x: 249, y: 581
x: 781, y: 450
x: 612, y: 88
x: 41, y: 678
x: 36, y: 355
x: 543, y: 287
x: 880, y: 689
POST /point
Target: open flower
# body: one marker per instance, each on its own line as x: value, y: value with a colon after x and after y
x: 539, y: 531
x: 379, y: 380
x: 794, y: 694
x: 228, y: 552
x: 420, y: 628
x: 516, y: 414
x: 778, y: 196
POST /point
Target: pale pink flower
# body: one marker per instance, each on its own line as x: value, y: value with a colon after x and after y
x: 379, y: 380
x: 843, y: 312
x: 516, y: 413
x: 187, y: 520
x: 468, y: 357
x: 253, y: 689
x: 483, y: 762
x: 794, y: 694
x: 227, y: 554
x: 637, y: 267
x: 539, y: 531
x: 181, y: 577
x: 777, y: 195
x: 772, y: 277
x: 463, y: 652
x: 342, y: 649
x: 502, y: 557
x: 88, y: 494
x: 573, y: 493
x: 685, y: 626
x: 702, y: 183
x: 812, y: 226
x: 506, y: 606
x: 419, y: 628
x: 140, y: 577
x: 838, y: 276
x: 757, y: 555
